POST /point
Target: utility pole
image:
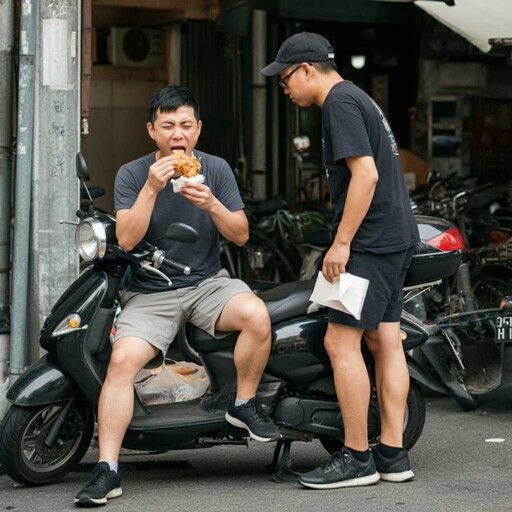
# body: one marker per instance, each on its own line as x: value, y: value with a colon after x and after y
x: 6, y: 60
x: 55, y: 187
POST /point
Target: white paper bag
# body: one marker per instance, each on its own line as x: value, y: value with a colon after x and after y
x: 179, y: 182
x: 346, y: 293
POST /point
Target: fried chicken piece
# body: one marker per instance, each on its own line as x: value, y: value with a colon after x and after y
x: 188, y: 166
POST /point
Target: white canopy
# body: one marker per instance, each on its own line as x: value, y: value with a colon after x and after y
x: 475, y: 20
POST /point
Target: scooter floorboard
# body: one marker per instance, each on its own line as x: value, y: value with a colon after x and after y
x: 178, y: 415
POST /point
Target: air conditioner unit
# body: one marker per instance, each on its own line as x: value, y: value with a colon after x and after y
x: 136, y: 47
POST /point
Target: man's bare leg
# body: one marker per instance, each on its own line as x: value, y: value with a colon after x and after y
x: 343, y: 344
x: 115, y: 412
x: 129, y: 355
x: 392, y: 380
x: 355, y: 465
x: 248, y: 314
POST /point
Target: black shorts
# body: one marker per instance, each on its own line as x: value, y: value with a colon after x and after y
x: 384, y: 298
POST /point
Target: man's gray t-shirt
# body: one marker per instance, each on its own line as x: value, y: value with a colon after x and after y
x: 201, y: 256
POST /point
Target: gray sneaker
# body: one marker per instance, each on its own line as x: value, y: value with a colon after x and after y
x: 396, y: 469
x: 103, y: 485
x: 254, y: 419
x: 341, y: 469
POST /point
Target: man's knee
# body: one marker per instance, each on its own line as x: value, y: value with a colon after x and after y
x: 342, y: 342
x: 372, y: 341
x: 382, y: 342
x: 253, y: 315
x: 123, y: 365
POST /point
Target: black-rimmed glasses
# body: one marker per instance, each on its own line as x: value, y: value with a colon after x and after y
x: 282, y: 82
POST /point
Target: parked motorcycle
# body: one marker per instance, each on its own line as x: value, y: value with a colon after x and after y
x: 466, y: 305
x: 49, y: 426
x: 477, y: 351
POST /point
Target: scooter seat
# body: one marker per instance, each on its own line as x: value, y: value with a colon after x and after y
x: 203, y: 342
x: 288, y: 300
x: 283, y: 302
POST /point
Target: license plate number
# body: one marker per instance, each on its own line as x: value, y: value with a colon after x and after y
x: 504, y: 327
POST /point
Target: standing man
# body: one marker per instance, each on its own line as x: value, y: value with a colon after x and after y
x: 152, y: 312
x: 375, y: 237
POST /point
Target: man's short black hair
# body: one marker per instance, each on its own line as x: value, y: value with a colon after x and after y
x: 170, y: 98
x: 325, y: 66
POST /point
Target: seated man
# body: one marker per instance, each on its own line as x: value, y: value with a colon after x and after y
x: 153, y: 312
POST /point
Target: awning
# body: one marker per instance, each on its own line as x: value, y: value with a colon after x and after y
x: 475, y: 20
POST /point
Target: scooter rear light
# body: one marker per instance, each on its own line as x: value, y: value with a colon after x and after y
x: 450, y: 240
x: 499, y: 237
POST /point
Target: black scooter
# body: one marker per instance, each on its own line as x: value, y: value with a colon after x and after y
x: 49, y: 427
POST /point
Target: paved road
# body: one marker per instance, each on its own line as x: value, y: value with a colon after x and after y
x: 457, y: 470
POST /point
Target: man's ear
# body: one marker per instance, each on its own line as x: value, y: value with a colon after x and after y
x: 308, y: 70
x: 199, y: 126
x: 151, y: 130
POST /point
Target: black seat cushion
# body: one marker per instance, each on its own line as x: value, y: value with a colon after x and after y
x: 283, y: 302
x: 288, y: 300
x: 202, y: 342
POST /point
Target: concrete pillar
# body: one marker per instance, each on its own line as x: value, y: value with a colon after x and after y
x: 55, y: 188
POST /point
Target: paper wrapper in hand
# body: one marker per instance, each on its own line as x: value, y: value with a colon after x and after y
x: 181, y: 181
x: 346, y: 293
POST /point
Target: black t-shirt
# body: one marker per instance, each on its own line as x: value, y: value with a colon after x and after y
x: 354, y: 125
x: 203, y: 255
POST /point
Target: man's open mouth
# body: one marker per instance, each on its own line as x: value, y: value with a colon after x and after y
x: 178, y: 146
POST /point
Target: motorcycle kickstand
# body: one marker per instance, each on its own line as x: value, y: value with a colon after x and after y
x: 281, y: 465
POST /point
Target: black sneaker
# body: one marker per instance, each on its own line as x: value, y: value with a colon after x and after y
x: 396, y: 469
x: 254, y: 419
x: 103, y: 485
x: 341, y: 469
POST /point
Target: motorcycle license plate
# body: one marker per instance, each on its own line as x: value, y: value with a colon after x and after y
x: 504, y: 327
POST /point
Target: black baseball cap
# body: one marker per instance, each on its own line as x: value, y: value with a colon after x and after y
x: 302, y: 47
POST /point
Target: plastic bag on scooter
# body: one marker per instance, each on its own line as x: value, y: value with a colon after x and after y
x: 176, y: 382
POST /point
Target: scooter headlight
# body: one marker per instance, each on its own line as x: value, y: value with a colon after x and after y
x: 91, y: 239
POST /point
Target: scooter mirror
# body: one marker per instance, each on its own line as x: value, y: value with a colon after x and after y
x: 81, y: 168
x: 182, y: 233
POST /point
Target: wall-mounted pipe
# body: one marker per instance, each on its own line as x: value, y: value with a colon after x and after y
x: 6, y: 60
x: 24, y: 158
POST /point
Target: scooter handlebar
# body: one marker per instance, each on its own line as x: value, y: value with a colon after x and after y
x: 177, y: 266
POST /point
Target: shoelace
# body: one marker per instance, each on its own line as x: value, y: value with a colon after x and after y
x: 335, y: 460
x: 99, y: 475
x: 257, y: 411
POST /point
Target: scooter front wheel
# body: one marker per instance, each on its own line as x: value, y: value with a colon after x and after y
x: 25, y: 454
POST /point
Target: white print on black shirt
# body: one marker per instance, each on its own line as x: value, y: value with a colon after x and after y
x: 323, y: 147
x: 394, y: 147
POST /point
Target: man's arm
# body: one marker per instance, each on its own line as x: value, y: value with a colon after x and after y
x: 231, y: 225
x: 359, y: 197
x: 132, y: 224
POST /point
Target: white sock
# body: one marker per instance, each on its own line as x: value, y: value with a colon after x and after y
x: 242, y: 401
x: 113, y: 465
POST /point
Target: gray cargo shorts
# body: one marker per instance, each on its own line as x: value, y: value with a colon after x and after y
x: 158, y: 317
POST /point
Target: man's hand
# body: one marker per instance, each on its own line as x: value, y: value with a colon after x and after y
x: 335, y: 261
x: 199, y: 194
x: 160, y: 173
